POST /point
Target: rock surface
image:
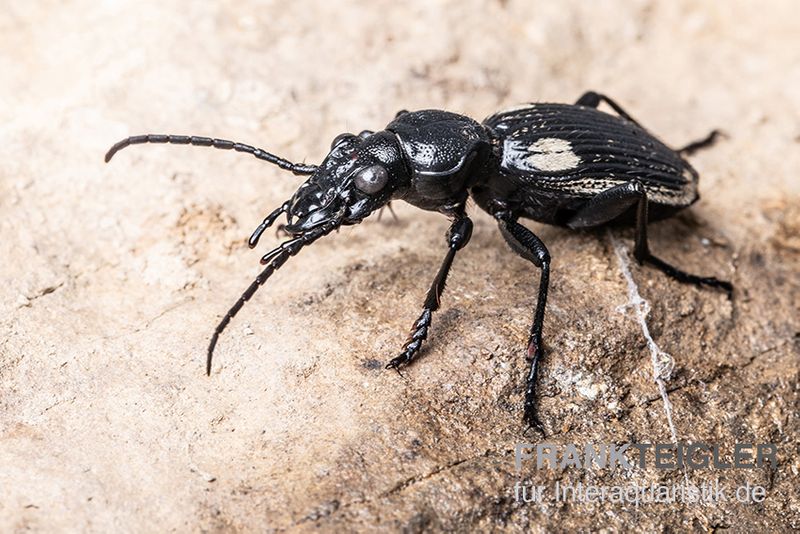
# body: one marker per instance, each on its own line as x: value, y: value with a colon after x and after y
x: 115, y: 274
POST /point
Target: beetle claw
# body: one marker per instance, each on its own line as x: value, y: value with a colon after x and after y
x: 533, y: 422
x: 395, y: 364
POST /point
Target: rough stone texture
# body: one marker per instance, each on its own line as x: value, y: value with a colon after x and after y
x: 117, y: 273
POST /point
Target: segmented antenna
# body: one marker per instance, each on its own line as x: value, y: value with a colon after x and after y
x: 222, y: 144
x: 276, y: 258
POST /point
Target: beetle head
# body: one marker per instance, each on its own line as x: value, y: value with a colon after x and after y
x: 360, y: 174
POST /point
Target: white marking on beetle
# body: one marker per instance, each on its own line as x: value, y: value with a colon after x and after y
x: 553, y: 154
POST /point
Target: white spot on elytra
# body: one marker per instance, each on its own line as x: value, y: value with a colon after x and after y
x: 552, y: 154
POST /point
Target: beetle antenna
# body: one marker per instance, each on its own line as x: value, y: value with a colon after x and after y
x: 276, y: 259
x: 222, y: 144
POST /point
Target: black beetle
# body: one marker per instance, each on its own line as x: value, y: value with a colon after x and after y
x: 561, y: 164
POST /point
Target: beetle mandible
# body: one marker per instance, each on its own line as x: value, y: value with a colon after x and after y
x: 561, y: 164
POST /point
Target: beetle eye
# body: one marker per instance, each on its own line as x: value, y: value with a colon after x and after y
x: 339, y: 138
x: 372, y: 179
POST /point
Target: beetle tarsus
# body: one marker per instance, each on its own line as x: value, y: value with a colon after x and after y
x: 532, y: 421
x: 687, y: 278
x: 701, y: 144
x: 419, y: 333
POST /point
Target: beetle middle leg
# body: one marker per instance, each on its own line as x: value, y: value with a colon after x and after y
x: 612, y: 203
x: 457, y: 237
x: 527, y: 245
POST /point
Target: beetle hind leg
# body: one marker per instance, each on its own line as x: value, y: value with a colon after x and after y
x: 611, y: 203
x: 687, y: 278
x: 700, y: 144
x: 642, y: 254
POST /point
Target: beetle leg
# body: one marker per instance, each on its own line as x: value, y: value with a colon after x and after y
x: 391, y: 210
x: 607, y: 205
x: 613, y: 202
x: 592, y: 100
x: 700, y: 144
x: 527, y: 245
x: 457, y: 237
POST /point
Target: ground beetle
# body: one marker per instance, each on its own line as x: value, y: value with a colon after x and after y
x: 561, y: 164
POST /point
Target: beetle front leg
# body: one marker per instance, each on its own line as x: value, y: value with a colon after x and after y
x: 457, y: 237
x: 527, y: 245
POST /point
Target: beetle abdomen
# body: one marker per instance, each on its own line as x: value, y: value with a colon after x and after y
x: 580, y: 151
